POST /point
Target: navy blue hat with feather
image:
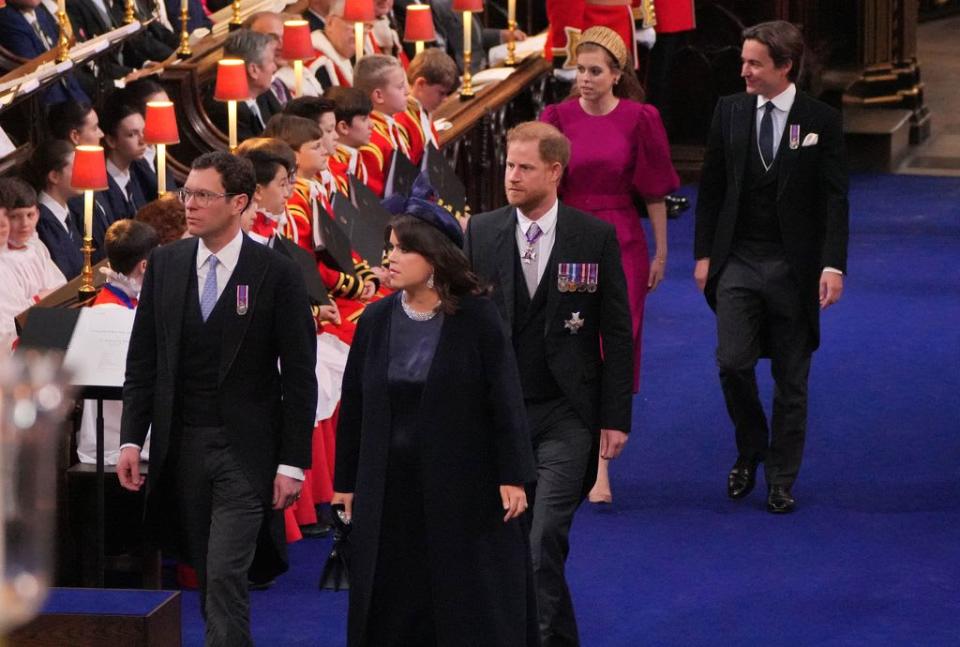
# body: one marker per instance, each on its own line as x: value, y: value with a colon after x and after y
x: 422, y: 204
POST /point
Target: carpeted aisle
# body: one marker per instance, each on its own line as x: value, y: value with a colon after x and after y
x: 872, y: 554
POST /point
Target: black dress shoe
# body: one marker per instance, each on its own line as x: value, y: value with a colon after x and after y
x: 779, y: 500
x: 741, y: 479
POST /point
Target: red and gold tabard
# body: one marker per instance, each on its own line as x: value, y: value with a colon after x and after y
x: 385, y: 137
x: 346, y: 161
x: 419, y: 129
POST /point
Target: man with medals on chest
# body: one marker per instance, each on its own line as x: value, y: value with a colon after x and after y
x: 559, y: 286
x: 220, y: 368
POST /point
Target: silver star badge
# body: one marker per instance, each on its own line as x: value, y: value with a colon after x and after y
x: 574, y: 323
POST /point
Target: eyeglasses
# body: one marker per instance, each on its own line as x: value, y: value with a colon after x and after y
x: 201, y: 198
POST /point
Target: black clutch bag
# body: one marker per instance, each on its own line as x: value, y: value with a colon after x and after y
x: 335, y: 574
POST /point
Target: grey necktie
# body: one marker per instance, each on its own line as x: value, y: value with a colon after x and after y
x: 208, y: 298
x: 42, y: 35
x: 530, y: 259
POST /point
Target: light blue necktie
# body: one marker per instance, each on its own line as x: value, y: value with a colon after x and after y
x: 208, y: 299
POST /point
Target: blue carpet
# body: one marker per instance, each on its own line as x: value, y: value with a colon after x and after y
x: 872, y: 554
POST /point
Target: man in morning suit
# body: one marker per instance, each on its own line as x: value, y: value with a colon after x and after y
x: 231, y: 431
x: 560, y: 288
x: 258, y: 52
x: 771, y: 250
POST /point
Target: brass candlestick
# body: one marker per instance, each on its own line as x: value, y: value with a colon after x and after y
x: 184, y: 50
x: 128, y: 16
x: 511, y: 44
x: 87, y: 291
x: 63, y: 43
x: 236, y: 22
x: 466, y: 91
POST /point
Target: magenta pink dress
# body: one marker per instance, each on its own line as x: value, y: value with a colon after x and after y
x: 617, y: 161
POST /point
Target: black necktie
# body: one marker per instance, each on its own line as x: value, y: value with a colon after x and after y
x: 766, y: 135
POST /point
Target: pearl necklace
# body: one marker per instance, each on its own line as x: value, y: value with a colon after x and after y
x: 414, y: 314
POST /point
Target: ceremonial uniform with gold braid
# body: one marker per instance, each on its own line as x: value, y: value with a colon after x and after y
x: 385, y: 137
x: 415, y: 122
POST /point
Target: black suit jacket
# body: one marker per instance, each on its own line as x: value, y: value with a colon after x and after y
x: 63, y: 244
x: 268, y: 412
x: 247, y: 123
x: 87, y: 23
x: 598, y: 384
x: 153, y: 43
x: 812, y: 206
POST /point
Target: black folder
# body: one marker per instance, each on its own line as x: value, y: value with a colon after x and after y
x: 49, y: 329
x: 451, y: 193
x: 316, y: 290
x: 402, y: 175
x: 335, y: 249
x: 365, y: 221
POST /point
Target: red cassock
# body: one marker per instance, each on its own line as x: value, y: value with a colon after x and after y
x: 418, y: 127
x: 675, y: 16
x: 385, y: 137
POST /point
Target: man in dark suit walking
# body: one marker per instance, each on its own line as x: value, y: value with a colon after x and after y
x: 231, y: 432
x: 771, y: 249
x: 559, y: 286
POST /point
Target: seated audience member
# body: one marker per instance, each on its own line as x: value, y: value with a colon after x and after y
x: 383, y: 37
x: 124, y: 145
x: 14, y: 297
x: 92, y: 18
x: 316, y: 14
x: 352, y: 113
x: 128, y: 244
x: 449, y: 28
x: 167, y: 216
x: 158, y: 38
x: 282, y: 85
x: 337, y: 48
x: 258, y: 52
x: 49, y: 171
x: 76, y: 122
x: 31, y: 264
x: 433, y: 76
x: 27, y: 29
x: 138, y: 94
x: 383, y: 80
x: 323, y: 112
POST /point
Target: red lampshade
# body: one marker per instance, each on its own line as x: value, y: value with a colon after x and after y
x: 468, y: 5
x: 419, y: 23
x: 161, y: 123
x: 231, y: 80
x: 359, y: 11
x: 89, y: 169
x: 296, y: 41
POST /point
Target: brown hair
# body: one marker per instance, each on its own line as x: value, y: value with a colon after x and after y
x: 295, y: 131
x: 128, y: 242
x: 167, y: 216
x: 784, y: 41
x: 553, y: 144
x: 629, y: 85
x: 371, y: 72
x: 266, y: 154
x: 452, y: 276
x: 435, y: 67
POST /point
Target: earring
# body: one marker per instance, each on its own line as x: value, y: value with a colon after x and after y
x: 430, y: 281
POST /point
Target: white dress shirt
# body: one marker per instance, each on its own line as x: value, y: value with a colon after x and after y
x: 255, y: 109
x: 548, y: 225
x: 122, y: 178
x: 227, y: 259
x: 60, y: 211
x: 781, y: 108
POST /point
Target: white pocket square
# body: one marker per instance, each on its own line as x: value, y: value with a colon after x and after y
x: 810, y: 140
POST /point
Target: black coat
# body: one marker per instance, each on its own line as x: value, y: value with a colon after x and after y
x: 268, y: 412
x: 598, y: 385
x: 812, y: 207
x: 247, y: 123
x: 475, y: 439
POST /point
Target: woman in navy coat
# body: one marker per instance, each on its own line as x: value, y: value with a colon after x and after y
x: 433, y: 454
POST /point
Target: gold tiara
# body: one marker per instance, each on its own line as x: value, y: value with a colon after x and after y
x: 608, y: 40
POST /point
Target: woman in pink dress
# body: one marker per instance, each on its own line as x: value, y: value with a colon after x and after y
x: 619, y: 158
